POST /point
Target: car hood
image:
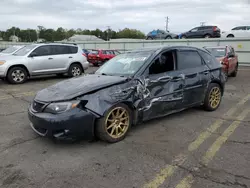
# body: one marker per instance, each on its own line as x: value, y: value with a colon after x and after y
x: 72, y: 88
x: 9, y: 57
x: 4, y: 54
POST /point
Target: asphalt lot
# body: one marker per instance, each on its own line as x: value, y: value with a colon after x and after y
x: 193, y: 148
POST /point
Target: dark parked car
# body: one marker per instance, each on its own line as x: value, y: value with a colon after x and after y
x: 202, y: 32
x: 130, y: 88
x: 160, y: 34
x: 227, y: 57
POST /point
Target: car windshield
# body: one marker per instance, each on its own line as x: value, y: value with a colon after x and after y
x: 10, y: 49
x: 217, y: 52
x: 126, y: 64
x: 23, y: 51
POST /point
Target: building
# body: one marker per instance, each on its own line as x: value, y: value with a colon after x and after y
x: 14, y: 38
x: 83, y: 38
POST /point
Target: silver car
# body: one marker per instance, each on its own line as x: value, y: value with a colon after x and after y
x: 43, y: 59
x: 11, y: 50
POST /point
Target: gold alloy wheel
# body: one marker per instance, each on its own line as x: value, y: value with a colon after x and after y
x: 117, y: 122
x: 215, y: 97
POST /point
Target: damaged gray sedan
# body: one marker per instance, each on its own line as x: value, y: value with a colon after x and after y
x: 130, y: 88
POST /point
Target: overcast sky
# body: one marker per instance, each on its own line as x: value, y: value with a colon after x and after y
x: 144, y: 15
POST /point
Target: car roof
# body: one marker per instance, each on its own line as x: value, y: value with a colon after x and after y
x: 159, y: 48
x: 52, y: 43
x: 216, y: 46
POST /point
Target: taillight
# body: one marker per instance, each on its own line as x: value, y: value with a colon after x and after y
x: 84, y: 54
x: 215, y: 28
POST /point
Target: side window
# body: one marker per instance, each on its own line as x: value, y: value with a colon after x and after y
x: 194, y: 29
x: 58, y: 50
x: 201, y: 28
x: 188, y: 59
x: 104, y: 52
x: 239, y: 28
x: 230, y: 50
x: 206, y: 57
x: 116, y: 53
x: 111, y: 52
x: 164, y: 63
x: 43, y: 50
x: 233, y: 50
x: 72, y: 49
x: 248, y: 27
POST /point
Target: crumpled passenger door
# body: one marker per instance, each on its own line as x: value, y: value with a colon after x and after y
x: 165, y: 94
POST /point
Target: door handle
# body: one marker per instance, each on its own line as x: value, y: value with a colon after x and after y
x: 50, y: 58
x: 164, y: 79
x: 70, y: 57
x: 180, y: 77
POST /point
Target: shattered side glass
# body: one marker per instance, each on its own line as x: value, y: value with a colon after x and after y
x: 125, y: 64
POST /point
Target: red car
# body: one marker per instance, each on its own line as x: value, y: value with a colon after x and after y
x: 227, y: 57
x: 99, y: 57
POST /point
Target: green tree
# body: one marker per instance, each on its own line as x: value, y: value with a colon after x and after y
x: 30, y: 35
x: 130, y: 33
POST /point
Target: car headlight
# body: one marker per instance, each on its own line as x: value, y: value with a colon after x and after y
x: 2, y: 62
x: 60, y: 107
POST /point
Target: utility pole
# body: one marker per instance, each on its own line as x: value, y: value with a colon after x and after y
x: 202, y: 23
x: 108, y: 32
x: 167, y: 21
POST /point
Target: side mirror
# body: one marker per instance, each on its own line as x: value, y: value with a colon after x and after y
x: 33, y: 54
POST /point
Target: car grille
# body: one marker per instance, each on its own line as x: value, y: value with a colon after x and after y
x: 38, y: 106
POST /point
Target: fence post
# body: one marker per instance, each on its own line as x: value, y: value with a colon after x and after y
x: 124, y: 46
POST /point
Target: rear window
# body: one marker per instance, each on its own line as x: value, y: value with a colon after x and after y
x: 217, y: 52
x: 73, y: 49
x: 63, y: 49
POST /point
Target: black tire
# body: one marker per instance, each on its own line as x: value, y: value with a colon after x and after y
x: 230, y: 36
x: 21, y: 75
x: 149, y: 38
x: 212, y: 89
x: 105, y: 60
x: 168, y: 37
x: 96, y: 64
x: 234, y: 74
x: 207, y: 36
x: 101, y: 130
x: 75, y: 70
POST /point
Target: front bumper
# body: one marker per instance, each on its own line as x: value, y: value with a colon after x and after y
x: 70, y: 124
x: 3, y: 71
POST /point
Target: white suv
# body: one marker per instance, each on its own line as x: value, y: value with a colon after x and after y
x: 43, y: 59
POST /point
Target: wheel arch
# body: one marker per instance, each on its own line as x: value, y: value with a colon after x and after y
x: 18, y: 65
x: 219, y: 83
x: 168, y: 36
x: 77, y: 63
x: 230, y: 34
x: 207, y: 34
